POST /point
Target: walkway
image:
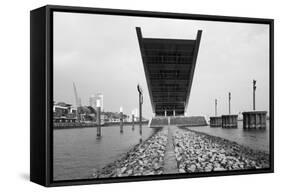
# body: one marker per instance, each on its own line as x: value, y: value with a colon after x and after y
x: 170, y: 162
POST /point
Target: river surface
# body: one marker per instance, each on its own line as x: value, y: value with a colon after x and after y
x: 78, y: 151
x: 255, y: 138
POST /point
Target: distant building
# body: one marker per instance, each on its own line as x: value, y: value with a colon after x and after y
x: 93, y: 100
x: 111, y: 117
x: 63, y: 108
x: 63, y: 112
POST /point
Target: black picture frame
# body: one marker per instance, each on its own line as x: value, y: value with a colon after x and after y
x: 41, y: 92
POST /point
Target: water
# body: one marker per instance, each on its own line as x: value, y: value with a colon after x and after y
x: 78, y: 151
x: 255, y: 139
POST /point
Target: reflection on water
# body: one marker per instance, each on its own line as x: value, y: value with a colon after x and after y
x: 78, y: 151
x: 254, y: 138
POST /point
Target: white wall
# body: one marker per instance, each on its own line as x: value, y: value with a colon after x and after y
x: 14, y: 84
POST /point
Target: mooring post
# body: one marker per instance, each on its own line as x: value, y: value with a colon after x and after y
x: 121, y: 120
x: 140, y: 109
x: 133, y: 120
x: 229, y: 99
x: 216, y: 103
x: 98, y: 119
x: 254, y: 94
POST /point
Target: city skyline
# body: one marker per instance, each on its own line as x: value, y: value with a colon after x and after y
x: 241, y: 56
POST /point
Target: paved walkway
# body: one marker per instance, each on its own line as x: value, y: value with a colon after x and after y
x: 170, y: 162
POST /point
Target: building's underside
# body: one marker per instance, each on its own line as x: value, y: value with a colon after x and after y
x: 169, y: 67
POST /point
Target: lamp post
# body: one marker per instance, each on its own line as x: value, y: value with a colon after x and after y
x: 229, y: 99
x: 254, y: 94
x: 98, y: 119
x: 140, y: 107
x: 121, y: 120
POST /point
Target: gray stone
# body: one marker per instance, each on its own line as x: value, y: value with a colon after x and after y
x: 192, y: 168
x: 219, y: 169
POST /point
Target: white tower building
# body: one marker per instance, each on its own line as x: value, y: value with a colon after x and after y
x: 94, y: 98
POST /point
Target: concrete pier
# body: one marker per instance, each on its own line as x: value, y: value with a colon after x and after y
x: 229, y: 121
x: 254, y: 120
x: 215, y: 121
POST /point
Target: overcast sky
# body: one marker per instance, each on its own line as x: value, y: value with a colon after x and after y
x: 100, y: 53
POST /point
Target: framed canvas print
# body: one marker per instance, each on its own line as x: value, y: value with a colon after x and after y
x: 122, y: 95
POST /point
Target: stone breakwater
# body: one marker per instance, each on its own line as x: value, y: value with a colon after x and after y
x: 146, y: 158
x: 199, y: 152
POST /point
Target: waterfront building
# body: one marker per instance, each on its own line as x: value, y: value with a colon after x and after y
x: 169, y: 66
x: 62, y: 108
x: 93, y: 100
x: 63, y: 112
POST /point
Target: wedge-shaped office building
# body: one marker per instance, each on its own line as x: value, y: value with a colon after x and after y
x: 169, y: 66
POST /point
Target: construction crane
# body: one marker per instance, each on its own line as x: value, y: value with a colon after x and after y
x: 77, y: 101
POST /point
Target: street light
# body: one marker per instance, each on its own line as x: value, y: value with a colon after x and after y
x: 140, y: 106
x: 254, y: 94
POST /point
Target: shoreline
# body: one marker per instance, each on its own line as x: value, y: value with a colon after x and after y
x: 145, y: 158
x: 234, y: 142
x: 92, y: 125
x: 200, y: 152
x: 195, y: 152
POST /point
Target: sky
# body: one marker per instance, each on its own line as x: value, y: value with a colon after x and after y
x: 101, y: 54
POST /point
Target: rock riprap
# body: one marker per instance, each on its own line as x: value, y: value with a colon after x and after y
x: 199, y: 152
x: 146, y: 158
